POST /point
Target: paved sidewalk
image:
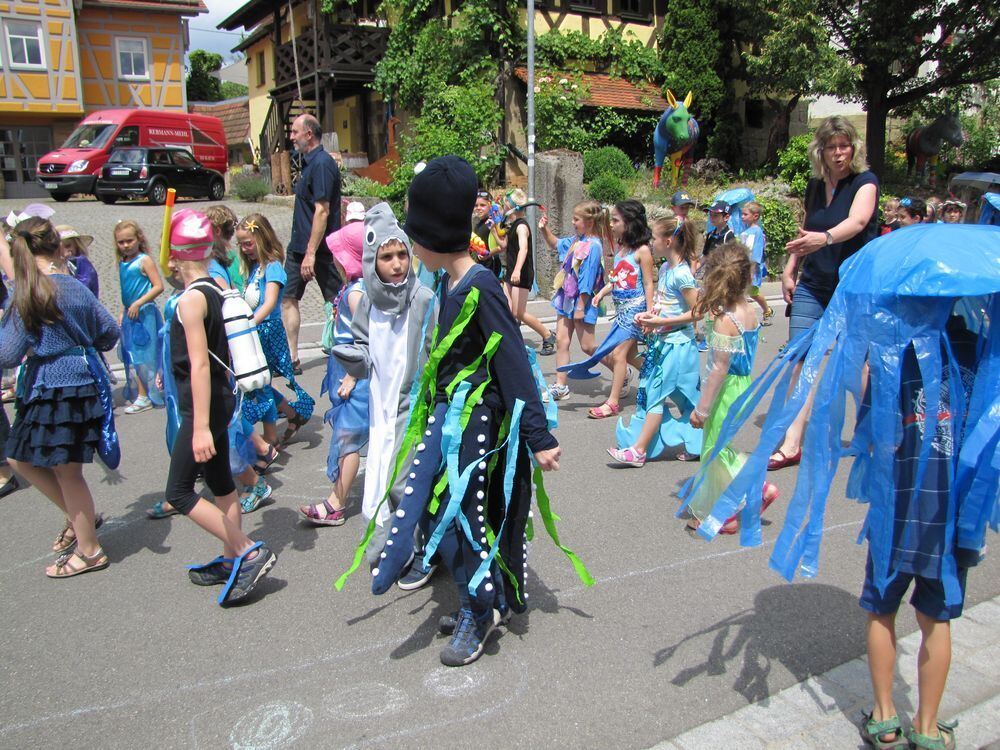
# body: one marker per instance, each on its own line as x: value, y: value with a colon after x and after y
x: 823, y: 711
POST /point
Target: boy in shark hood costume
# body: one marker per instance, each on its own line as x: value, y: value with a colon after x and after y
x: 392, y: 329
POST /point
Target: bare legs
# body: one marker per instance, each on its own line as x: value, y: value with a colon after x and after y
x: 222, y: 521
x: 565, y: 329
x: 619, y: 361
x: 933, y: 663
x: 291, y: 320
x: 517, y: 298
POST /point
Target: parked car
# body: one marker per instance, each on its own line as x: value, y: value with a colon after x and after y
x: 76, y: 165
x: 149, y: 172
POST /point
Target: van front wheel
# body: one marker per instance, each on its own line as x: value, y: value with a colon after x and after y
x: 157, y: 194
x: 217, y: 190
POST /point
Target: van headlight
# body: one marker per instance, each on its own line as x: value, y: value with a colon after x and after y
x: 79, y: 165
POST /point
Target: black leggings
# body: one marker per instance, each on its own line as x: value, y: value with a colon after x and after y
x: 184, y: 469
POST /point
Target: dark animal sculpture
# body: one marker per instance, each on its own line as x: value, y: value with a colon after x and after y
x: 923, y: 145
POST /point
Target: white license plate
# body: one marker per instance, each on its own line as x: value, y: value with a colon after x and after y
x: 121, y: 172
x: 50, y: 185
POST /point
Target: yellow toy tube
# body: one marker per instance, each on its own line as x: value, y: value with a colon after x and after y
x: 168, y: 211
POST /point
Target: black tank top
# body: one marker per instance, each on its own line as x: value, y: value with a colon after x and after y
x: 514, y: 247
x: 215, y: 333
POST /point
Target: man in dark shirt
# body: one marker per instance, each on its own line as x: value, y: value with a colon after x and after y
x: 316, y: 214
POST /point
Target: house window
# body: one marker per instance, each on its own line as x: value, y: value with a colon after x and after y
x: 634, y: 10
x: 132, y: 58
x: 588, y: 6
x: 24, y: 44
x: 261, y: 73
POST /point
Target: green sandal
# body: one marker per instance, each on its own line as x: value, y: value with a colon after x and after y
x: 873, y: 732
x: 944, y: 741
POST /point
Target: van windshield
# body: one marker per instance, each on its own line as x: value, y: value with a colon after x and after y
x: 91, y: 135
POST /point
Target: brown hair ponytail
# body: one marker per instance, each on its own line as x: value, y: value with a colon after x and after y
x: 726, y: 279
x: 34, y: 293
x: 683, y: 233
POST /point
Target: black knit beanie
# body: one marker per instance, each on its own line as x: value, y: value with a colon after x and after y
x: 440, y: 203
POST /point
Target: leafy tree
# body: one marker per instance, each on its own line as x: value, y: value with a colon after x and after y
x: 231, y: 90
x: 900, y: 51
x: 202, y: 86
x: 793, y: 60
x: 691, y: 48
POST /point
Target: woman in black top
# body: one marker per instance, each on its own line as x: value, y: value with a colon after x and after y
x: 841, y: 218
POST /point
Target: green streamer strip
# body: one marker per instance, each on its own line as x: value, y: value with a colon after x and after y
x: 418, y: 419
x: 549, y: 519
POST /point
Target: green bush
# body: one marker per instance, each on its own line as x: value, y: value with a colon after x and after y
x: 608, y: 188
x: 780, y: 225
x: 362, y: 187
x: 793, y: 163
x: 607, y: 160
x: 249, y: 187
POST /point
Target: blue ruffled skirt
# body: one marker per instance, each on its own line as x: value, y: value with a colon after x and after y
x: 58, y: 426
x: 348, y: 418
x: 670, y: 372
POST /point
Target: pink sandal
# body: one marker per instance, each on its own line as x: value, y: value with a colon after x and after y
x: 333, y: 516
x: 605, y: 410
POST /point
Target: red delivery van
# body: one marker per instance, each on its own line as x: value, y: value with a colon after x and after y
x: 75, y: 166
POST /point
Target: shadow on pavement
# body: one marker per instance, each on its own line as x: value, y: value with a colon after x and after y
x: 135, y: 531
x: 807, y: 628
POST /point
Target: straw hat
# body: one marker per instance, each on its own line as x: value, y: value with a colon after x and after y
x: 66, y: 232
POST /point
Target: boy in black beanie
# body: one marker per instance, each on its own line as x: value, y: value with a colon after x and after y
x: 479, y: 415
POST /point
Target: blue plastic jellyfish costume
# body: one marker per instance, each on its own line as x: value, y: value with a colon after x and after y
x: 736, y: 197
x: 899, y: 291
x: 139, y: 346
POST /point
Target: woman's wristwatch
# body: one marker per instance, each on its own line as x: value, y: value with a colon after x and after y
x: 829, y: 237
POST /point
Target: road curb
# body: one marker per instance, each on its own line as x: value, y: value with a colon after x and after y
x: 824, y: 710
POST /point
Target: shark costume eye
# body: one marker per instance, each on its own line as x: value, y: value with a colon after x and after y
x: 370, y: 237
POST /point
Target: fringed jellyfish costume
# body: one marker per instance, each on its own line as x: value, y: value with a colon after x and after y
x: 348, y: 417
x: 629, y: 296
x: 139, y: 348
x: 242, y: 454
x: 730, y: 359
x: 891, y: 310
x: 475, y: 420
x: 262, y: 405
x: 670, y: 371
x: 581, y: 272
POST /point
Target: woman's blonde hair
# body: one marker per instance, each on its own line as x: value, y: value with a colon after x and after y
x: 829, y: 128
x: 727, y: 274
x: 223, y: 222
x: 268, y: 248
x: 34, y: 293
x: 685, y: 238
x: 136, y: 230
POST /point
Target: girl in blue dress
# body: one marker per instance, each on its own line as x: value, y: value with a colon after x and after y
x: 580, y: 277
x: 262, y: 261
x: 670, y: 370
x: 348, y: 414
x: 140, y: 320
x: 631, y: 285
x: 59, y: 324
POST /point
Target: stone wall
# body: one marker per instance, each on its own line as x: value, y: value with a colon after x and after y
x: 558, y: 187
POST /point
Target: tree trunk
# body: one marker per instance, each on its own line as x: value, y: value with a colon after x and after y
x: 875, y: 132
x: 777, y: 137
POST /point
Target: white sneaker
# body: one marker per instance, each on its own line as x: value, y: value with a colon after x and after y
x: 557, y: 392
x: 139, y: 405
x: 627, y: 385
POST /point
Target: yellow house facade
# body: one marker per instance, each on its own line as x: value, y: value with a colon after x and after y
x: 62, y: 59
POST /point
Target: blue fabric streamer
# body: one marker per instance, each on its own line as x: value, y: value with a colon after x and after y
x: 551, y: 409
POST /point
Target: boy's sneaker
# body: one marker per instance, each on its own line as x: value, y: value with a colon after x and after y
x: 556, y: 392
x: 253, y: 496
x: 139, y: 405
x: 702, y: 345
x: 629, y: 456
x: 214, y: 573
x: 448, y: 623
x: 418, y: 575
x: 549, y: 345
x: 250, y: 573
x: 627, y: 385
x: 469, y: 639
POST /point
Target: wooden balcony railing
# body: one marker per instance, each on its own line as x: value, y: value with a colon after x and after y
x: 345, y: 51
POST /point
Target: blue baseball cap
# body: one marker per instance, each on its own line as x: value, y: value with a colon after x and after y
x: 719, y: 207
x: 680, y: 198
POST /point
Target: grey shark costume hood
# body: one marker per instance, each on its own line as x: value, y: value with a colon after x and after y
x: 381, y: 226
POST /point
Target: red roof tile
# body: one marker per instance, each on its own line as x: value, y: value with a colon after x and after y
x: 184, y: 7
x: 618, y: 93
x: 235, y: 116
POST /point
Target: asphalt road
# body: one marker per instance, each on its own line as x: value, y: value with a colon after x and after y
x: 676, y: 632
